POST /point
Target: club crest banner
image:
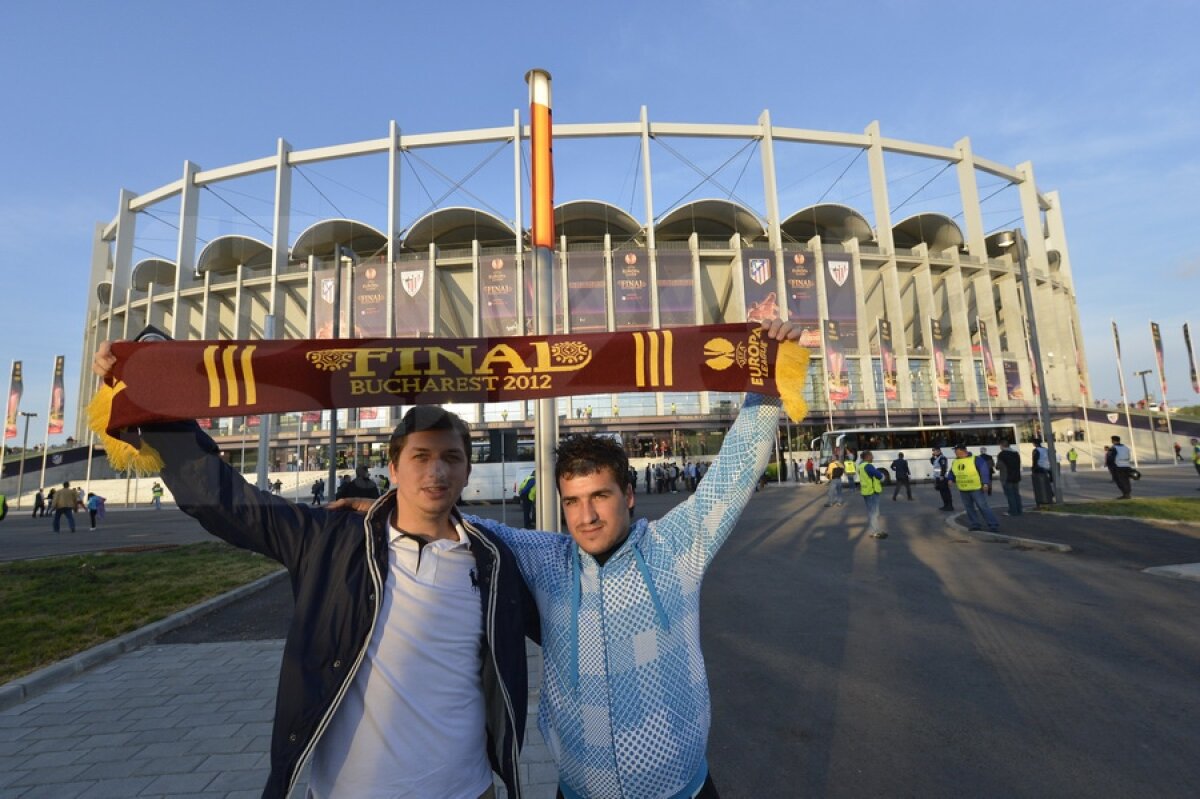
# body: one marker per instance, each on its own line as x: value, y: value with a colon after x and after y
x: 761, y: 288
x: 179, y: 380
x: 412, y: 298
x: 841, y: 299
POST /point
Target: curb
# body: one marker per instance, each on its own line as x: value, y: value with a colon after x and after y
x: 1000, y: 538
x: 1179, y: 571
x: 1115, y: 518
x: 42, y: 680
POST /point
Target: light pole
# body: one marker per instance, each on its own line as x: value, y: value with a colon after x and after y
x: 24, y: 450
x: 1015, y: 238
x: 1149, y: 416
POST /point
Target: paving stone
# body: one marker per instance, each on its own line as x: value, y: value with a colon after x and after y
x: 66, y: 790
x: 51, y: 759
x: 177, y: 783
x: 198, y: 732
x: 116, y: 789
x: 227, y: 781
x: 232, y: 762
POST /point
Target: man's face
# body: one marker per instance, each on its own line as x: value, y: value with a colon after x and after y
x: 597, y: 508
x: 430, y: 472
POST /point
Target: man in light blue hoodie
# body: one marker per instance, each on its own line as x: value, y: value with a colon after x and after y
x: 624, y: 701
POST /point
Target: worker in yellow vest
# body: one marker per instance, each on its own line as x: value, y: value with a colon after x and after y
x: 851, y: 470
x: 871, y: 488
x: 970, y: 474
x: 1196, y: 455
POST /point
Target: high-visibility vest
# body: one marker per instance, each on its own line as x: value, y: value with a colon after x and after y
x: 869, y: 485
x: 850, y: 469
x: 1072, y: 456
x: 1196, y: 453
x: 966, y: 474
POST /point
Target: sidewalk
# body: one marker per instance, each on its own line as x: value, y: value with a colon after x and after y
x: 175, y: 720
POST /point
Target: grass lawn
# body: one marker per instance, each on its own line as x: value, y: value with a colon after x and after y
x: 1181, y: 509
x: 56, y: 607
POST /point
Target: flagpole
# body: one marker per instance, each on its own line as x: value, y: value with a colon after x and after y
x: 542, y: 175
x: 1124, y: 396
x: 1162, y: 384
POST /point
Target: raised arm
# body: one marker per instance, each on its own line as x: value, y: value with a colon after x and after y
x: 211, y: 491
x: 702, y: 523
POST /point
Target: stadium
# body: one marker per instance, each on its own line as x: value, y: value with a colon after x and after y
x: 937, y: 267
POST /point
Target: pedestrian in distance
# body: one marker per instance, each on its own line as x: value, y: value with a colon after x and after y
x: 1119, y: 464
x: 903, y: 476
x: 1196, y: 455
x: 527, y: 494
x: 1008, y: 464
x: 39, y: 504
x: 1073, y: 458
x: 970, y: 474
x: 65, y: 503
x: 941, y: 469
x: 1178, y: 453
x: 833, y: 474
x: 404, y: 671
x: 1042, y: 475
x: 871, y: 487
x: 991, y: 464
x: 361, y: 486
x: 851, y: 469
x: 156, y: 492
x: 810, y: 469
x: 95, y: 508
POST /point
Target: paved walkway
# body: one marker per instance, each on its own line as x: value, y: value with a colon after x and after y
x: 178, y: 720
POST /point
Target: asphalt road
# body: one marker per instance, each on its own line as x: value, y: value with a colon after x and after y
x: 928, y: 664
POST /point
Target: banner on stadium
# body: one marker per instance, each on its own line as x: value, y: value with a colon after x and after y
x: 836, y: 369
x: 54, y: 419
x: 887, y: 359
x: 676, y: 288
x: 989, y: 365
x: 631, y: 289
x: 499, y: 295
x: 1012, y: 380
x: 16, y: 388
x: 804, y: 308
x: 322, y: 304
x: 413, y: 287
x: 760, y: 285
x: 586, y: 296
x: 937, y: 348
x: 369, y: 291
x: 1033, y: 378
x: 173, y: 380
x: 841, y: 299
x: 1156, y: 335
x: 1187, y: 340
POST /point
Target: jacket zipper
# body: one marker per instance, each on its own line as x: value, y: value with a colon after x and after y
x: 377, y: 581
x: 491, y: 634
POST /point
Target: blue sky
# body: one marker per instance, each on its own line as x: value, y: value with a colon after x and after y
x: 1105, y: 101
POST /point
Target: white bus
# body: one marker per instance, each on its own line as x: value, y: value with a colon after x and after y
x: 917, y: 443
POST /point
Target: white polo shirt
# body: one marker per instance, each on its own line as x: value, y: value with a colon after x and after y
x: 412, y: 722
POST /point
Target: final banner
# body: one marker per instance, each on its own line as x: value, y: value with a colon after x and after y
x: 804, y: 308
x: 498, y: 296
x: 1012, y: 380
x: 54, y: 423
x: 369, y: 291
x: 15, y: 389
x: 887, y: 359
x: 631, y: 289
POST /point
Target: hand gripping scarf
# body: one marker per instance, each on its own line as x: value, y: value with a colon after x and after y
x: 165, y: 381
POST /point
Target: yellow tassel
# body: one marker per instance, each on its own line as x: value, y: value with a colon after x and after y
x: 791, y: 373
x: 122, y: 456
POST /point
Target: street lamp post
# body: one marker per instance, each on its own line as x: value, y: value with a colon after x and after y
x: 24, y: 451
x: 1015, y: 238
x: 1149, y: 415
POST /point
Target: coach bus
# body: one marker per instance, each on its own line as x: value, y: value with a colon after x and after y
x: 917, y: 443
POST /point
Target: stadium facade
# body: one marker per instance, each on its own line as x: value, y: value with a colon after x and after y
x: 461, y: 272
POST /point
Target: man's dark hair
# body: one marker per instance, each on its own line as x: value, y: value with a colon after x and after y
x: 587, y: 454
x: 421, y: 418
